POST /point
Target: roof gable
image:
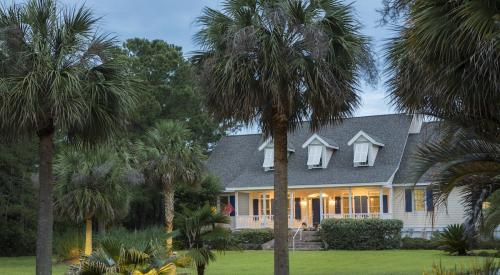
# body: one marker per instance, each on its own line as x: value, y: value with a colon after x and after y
x: 325, y: 141
x: 368, y: 137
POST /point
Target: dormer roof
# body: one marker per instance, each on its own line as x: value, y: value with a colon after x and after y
x: 269, y: 142
x: 328, y: 143
x: 374, y: 140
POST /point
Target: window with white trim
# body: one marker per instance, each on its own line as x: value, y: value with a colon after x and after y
x: 315, y: 155
x: 268, y: 159
x: 361, y: 153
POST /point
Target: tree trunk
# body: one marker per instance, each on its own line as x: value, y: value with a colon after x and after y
x: 168, y: 192
x: 88, y: 236
x: 45, y: 204
x: 280, y: 197
x: 200, y: 269
x: 101, y: 227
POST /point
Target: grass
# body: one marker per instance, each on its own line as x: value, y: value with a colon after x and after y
x: 302, y: 262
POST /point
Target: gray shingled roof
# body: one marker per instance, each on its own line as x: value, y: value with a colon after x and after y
x: 405, y: 173
x: 238, y: 163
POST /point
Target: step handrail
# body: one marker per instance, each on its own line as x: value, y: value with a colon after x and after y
x: 295, y: 235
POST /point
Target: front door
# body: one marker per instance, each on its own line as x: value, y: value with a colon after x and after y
x: 315, y: 211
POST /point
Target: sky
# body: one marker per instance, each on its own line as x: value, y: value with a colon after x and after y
x: 173, y: 21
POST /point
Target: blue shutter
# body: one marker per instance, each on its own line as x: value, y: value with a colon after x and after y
x: 298, y: 213
x: 255, y: 207
x: 385, y: 204
x: 428, y: 199
x: 338, y: 205
x: 357, y: 204
x: 364, y: 204
x: 232, y: 201
x: 408, y: 200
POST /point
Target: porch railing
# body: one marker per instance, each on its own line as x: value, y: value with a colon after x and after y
x: 358, y: 216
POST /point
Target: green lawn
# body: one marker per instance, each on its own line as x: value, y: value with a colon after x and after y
x: 302, y: 262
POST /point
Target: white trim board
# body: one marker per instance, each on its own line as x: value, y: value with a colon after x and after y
x: 384, y: 184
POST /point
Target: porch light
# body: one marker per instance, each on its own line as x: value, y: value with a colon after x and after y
x: 331, y: 202
x: 303, y: 203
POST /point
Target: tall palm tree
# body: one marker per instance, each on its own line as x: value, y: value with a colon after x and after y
x: 90, y: 185
x: 204, y: 231
x: 168, y: 157
x: 57, y: 75
x: 278, y: 63
x: 444, y: 63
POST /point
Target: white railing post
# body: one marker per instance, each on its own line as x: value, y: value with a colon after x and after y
x: 391, y: 194
x: 292, y: 212
x: 350, y: 202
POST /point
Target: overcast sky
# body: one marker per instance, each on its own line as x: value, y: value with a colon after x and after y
x: 172, y: 20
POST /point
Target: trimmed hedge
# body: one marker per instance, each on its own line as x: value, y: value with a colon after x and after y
x: 417, y: 243
x: 252, y: 239
x: 361, y: 234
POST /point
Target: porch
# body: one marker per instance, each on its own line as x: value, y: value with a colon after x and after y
x: 309, y: 206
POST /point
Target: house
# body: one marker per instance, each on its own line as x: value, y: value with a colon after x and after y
x: 360, y: 168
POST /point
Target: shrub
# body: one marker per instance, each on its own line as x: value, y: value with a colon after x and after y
x: 252, y: 239
x: 417, y: 243
x: 68, y: 246
x: 361, y: 234
x: 487, y: 267
x: 454, y: 239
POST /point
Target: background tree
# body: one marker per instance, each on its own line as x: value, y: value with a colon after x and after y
x: 168, y: 157
x: 90, y: 185
x: 58, y: 76
x: 279, y: 63
x: 204, y: 231
x: 444, y: 63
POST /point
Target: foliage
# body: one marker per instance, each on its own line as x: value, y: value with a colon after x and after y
x: 361, y: 234
x: 204, y: 231
x: 252, y: 239
x: 454, y: 239
x: 114, y: 257
x: 17, y: 199
x: 137, y: 238
x: 417, y: 243
x: 68, y: 246
x: 168, y: 90
x: 206, y: 191
x: 90, y: 184
x: 492, y: 214
x: 488, y: 267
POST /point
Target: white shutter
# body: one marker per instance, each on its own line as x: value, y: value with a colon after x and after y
x: 268, y: 158
x: 361, y: 152
x: 314, y: 157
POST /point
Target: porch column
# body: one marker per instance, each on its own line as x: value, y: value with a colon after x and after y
x: 236, y: 214
x: 350, y: 202
x: 381, y: 201
x: 218, y: 204
x: 391, y: 195
x: 292, y: 210
x: 320, y: 205
x: 264, y: 208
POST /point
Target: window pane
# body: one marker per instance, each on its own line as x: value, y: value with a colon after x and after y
x: 419, y: 199
x: 374, y: 204
x: 345, y: 205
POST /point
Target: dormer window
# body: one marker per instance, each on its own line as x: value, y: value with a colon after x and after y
x: 361, y: 153
x: 268, y: 147
x: 319, y: 151
x: 268, y: 159
x: 365, y: 149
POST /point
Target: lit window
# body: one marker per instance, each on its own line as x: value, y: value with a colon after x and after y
x: 374, y: 204
x: 419, y: 199
x: 314, y: 157
x: 361, y: 154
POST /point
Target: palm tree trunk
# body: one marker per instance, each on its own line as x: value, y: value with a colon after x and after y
x: 45, y: 214
x: 168, y: 192
x: 200, y: 269
x: 280, y: 197
x: 88, y: 236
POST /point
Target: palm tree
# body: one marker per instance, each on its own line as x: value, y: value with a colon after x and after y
x: 278, y: 63
x: 168, y: 157
x: 204, y: 231
x: 444, y: 63
x: 89, y: 185
x: 57, y: 75
x: 492, y: 214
